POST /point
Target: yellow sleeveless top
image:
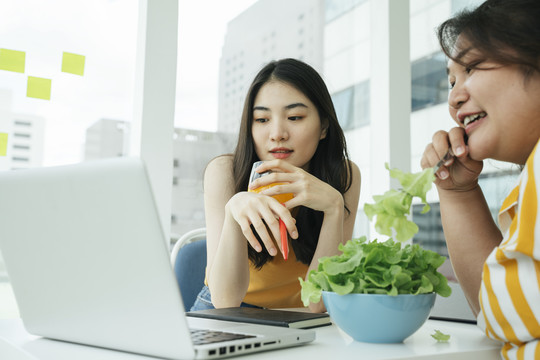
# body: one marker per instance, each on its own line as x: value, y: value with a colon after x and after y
x: 276, y: 284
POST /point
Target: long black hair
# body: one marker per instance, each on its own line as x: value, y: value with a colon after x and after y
x: 330, y: 163
x: 504, y: 31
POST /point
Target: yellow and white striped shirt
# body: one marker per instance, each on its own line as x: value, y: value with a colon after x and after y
x: 510, y: 290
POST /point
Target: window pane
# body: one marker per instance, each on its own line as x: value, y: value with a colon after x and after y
x: 66, y: 69
x: 343, y: 102
x: 352, y: 106
x: 76, y: 68
x: 458, y: 5
x: 429, y: 81
x: 335, y: 8
x: 361, y: 109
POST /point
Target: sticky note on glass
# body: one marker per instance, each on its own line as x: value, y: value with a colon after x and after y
x: 73, y: 63
x: 12, y: 60
x: 39, y: 88
x: 3, y: 144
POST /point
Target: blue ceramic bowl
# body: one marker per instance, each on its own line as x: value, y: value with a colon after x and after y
x: 378, y: 318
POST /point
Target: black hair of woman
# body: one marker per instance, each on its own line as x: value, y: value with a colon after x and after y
x: 504, y: 31
x: 329, y: 163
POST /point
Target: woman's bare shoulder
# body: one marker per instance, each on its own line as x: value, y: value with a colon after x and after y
x: 353, y: 193
x: 355, y: 171
x: 218, y: 178
x: 220, y: 162
x: 219, y: 166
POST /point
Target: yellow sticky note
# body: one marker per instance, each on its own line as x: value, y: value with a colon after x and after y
x: 73, y: 63
x: 3, y: 144
x: 12, y: 60
x: 39, y: 88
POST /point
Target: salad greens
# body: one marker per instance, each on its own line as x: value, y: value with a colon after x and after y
x: 393, y: 206
x: 440, y: 336
x: 376, y: 268
x: 386, y: 267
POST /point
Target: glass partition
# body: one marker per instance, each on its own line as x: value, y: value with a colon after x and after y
x: 66, y: 86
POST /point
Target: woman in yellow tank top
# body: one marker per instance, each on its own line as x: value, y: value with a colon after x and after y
x: 289, y: 122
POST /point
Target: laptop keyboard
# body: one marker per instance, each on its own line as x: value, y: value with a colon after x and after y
x: 201, y: 336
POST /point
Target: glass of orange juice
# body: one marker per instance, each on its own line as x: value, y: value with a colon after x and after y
x: 282, y: 198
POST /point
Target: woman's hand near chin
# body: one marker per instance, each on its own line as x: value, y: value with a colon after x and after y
x: 460, y: 173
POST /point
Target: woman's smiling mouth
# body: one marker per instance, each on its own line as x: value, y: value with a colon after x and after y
x: 472, y: 118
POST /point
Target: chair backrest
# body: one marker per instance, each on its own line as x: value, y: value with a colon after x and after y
x: 188, y: 258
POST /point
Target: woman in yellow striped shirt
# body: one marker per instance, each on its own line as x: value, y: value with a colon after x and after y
x: 494, y: 76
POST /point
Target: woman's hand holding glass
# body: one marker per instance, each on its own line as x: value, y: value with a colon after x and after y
x: 250, y: 209
x: 260, y: 212
x: 307, y: 189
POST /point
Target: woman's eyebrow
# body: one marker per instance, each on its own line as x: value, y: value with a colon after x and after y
x: 261, y: 108
x: 295, y: 105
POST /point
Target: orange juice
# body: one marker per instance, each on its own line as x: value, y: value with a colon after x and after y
x: 282, y: 198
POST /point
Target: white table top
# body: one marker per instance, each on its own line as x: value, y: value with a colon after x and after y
x: 466, y: 342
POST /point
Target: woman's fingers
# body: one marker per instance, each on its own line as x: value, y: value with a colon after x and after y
x: 261, y: 217
x: 271, y: 178
x: 458, y: 141
x: 258, y: 217
x: 275, y: 165
x: 459, y: 172
x: 249, y: 234
x: 290, y: 224
x: 435, y: 151
x: 441, y: 143
x: 269, y: 221
x: 307, y: 189
x: 444, y: 142
x: 279, y: 170
x: 430, y: 157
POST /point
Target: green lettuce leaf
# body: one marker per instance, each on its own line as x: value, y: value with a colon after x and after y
x: 376, y: 268
x: 440, y: 337
x: 392, y: 208
x: 311, y: 292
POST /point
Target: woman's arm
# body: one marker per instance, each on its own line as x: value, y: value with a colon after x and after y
x: 337, y: 226
x: 229, y: 218
x: 227, y: 261
x: 471, y: 235
x: 469, y: 229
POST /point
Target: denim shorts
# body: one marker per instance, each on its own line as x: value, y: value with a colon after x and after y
x: 204, y: 301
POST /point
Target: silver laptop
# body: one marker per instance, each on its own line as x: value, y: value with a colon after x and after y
x: 88, y: 262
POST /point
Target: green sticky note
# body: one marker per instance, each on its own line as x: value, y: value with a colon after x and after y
x: 3, y: 144
x: 73, y: 63
x: 39, y: 88
x: 12, y: 60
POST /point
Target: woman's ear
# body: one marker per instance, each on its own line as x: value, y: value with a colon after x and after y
x: 324, y: 130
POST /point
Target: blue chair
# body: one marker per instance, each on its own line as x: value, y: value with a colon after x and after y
x: 188, y: 258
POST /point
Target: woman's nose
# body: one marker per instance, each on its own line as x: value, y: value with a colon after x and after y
x: 279, y: 131
x: 457, y: 96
